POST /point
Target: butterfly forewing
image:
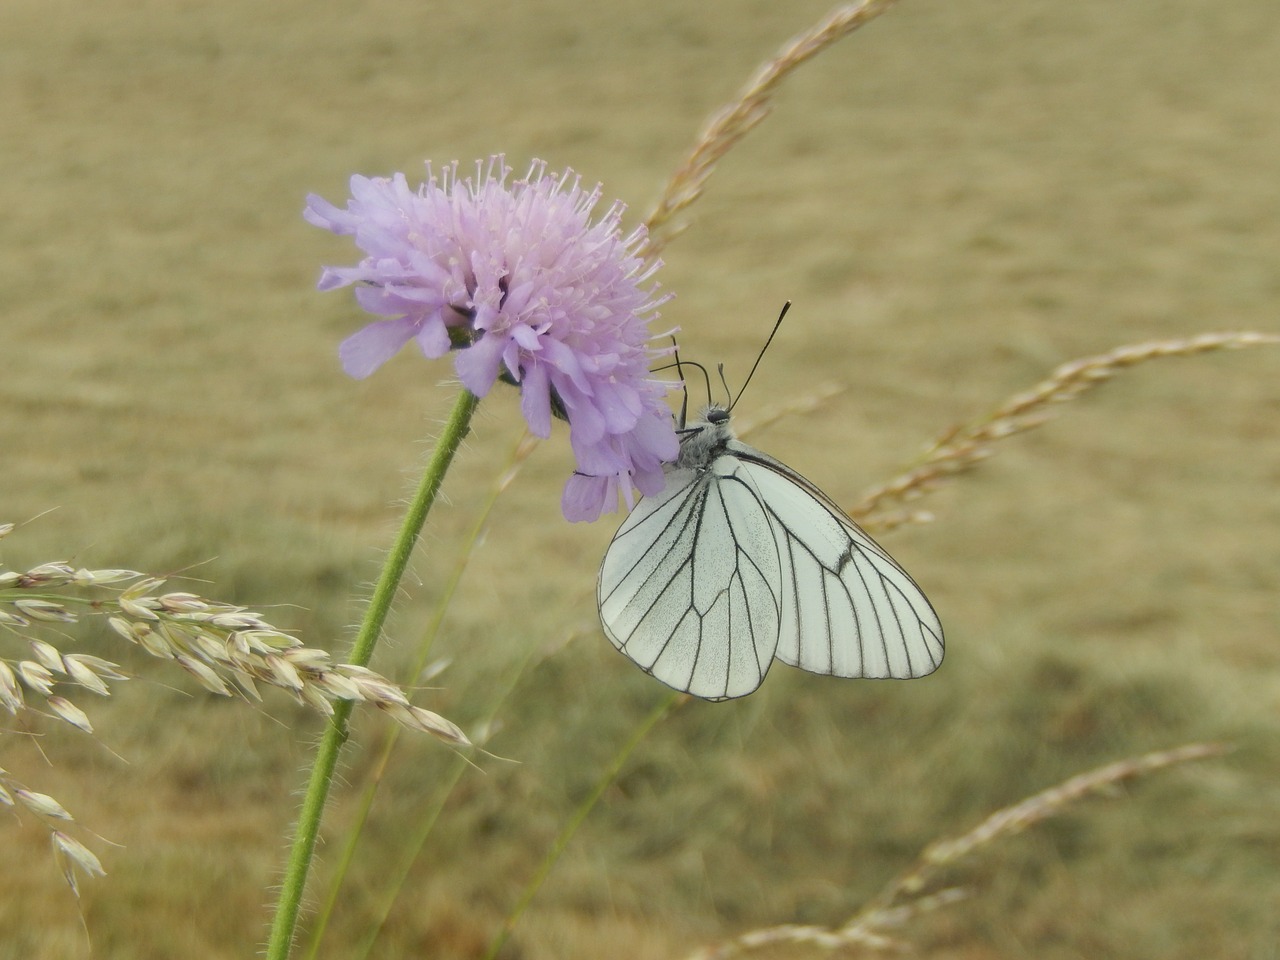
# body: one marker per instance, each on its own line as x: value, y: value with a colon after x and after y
x: 848, y: 609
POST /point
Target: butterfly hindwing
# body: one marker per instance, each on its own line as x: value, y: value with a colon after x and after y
x: 691, y: 585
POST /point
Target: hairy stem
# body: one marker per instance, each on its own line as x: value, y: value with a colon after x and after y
x: 308, y: 826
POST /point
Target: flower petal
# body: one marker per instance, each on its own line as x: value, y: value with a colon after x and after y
x: 433, y: 338
x: 366, y: 350
x: 478, y: 364
x: 535, y: 400
x: 586, y: 498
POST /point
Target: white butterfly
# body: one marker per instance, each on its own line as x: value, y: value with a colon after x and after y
x: 740, y: 560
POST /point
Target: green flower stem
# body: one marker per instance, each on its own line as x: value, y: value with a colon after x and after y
x: 308, y: 827
x: 411, y: 850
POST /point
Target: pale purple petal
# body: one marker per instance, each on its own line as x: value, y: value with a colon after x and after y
x: 619, y: 403
x: 478, y: 365
x: 321, y: 213
x: 649, y: 482
x: 567, y: 362
x: 535, y: 400
x: 586, y: 423
x: 656, y: 435
x: 586, y: 498
x: 366, y: 350
x: 385, y: 302
x: 526, y: 338
x: 600, y: 459
x: 333, y: 277
x: 433, y: 338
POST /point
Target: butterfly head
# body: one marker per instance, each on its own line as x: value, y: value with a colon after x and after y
x: 704, y: 439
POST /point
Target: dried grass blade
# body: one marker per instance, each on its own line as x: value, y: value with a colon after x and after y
x: 905, y: 898
x: 735, y: 120
x: 1016, y: 818
x: 961, y: 448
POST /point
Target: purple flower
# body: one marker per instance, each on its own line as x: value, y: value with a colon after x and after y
x: 525, y: 288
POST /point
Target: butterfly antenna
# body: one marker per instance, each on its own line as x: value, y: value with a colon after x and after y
x: 772, y: 333
x: 684, y: 404
x: 680, y: 365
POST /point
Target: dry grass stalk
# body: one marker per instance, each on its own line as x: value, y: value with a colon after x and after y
x: 227, y: 648
x: 905, y: 897
x: 961, y: 448
x: 820, y: 938
x: 887, y: 908
x: 734, y: 121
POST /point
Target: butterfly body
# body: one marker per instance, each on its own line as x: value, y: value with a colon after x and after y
x: 741, y: 560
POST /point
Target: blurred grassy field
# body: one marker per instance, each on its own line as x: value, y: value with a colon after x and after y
x: 957, y: 199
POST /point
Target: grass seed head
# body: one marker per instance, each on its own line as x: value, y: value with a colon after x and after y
x: 48, y: 655
x: 46, y: 610
x: 11, y: 697
x: 69, y: 712
x: 35, y: 677
x: 42, y: 805
x: 89, y: 675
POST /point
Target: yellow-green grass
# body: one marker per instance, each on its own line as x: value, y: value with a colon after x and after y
x: 957, y: 199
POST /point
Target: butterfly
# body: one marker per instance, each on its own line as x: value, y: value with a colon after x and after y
x: 740, y: 561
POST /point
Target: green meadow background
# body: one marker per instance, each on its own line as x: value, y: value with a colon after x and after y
x: 957, y: 198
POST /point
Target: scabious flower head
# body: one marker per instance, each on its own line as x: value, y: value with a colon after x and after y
x: 523, y: 287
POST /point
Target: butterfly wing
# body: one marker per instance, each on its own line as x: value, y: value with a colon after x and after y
x: 847, y: 608
x: 690, y: 588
